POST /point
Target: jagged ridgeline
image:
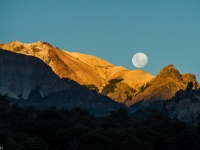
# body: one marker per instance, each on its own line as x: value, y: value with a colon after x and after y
x: 118, y: 83
x: 88, y: 70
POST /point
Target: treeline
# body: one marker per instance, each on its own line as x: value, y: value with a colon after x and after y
x: 76, y: 129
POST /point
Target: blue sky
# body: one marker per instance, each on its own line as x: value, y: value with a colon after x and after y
x: 168, y: 32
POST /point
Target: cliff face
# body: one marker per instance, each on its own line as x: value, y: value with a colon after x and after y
x: 19, y: 74
x: 185, y: 106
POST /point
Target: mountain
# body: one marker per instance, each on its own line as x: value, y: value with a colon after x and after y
x: 185, y: 105
x: 28, y: 80
x: 120, y: 84
x: 64, y: 64
x: 93, y: 72
x: 165, y: 85
x: 124, y: 84
x: 19, y: 74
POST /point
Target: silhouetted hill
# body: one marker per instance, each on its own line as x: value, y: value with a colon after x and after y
x: 29, y: 80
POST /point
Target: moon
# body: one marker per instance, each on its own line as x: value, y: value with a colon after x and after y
x: 139, y: 60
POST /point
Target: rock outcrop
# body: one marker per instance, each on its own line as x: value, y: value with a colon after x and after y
x: 165, y: 85
x: 185, y: 106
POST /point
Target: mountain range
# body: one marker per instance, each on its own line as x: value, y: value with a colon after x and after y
x: 120, y: 84
x: 27, y: 80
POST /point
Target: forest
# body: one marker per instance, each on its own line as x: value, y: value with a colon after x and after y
x: 29, y: 128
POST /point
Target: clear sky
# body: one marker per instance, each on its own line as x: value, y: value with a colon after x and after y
x: 167, y: 31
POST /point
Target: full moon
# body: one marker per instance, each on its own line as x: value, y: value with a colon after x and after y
x: 139, y: 60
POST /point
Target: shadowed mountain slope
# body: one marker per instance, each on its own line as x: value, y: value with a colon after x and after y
x: 19, y: 74
x: 30, y: 80
x: 185, y: 105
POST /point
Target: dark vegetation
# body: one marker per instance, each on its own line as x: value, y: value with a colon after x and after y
x: 18, y: 48
x: 110, y: 86
x: 35, y: 49
x: 142, y: 88
x: 128, y: 97
x: 75, y: 96
x: 92, y: 87
x: 76, y: 129
x: 47, y: 44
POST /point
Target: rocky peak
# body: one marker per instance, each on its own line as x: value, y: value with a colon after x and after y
x: 166, y: 84
x: 190, y: 78
x: 169, y: 71
x: 12, y: 45
x: 17, y: 42
x: 39, y: 42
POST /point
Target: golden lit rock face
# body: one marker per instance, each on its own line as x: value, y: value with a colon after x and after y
x: 165, y: 85
x: 122, y: 85
x: 129, y: 83
x: 84, y: 69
